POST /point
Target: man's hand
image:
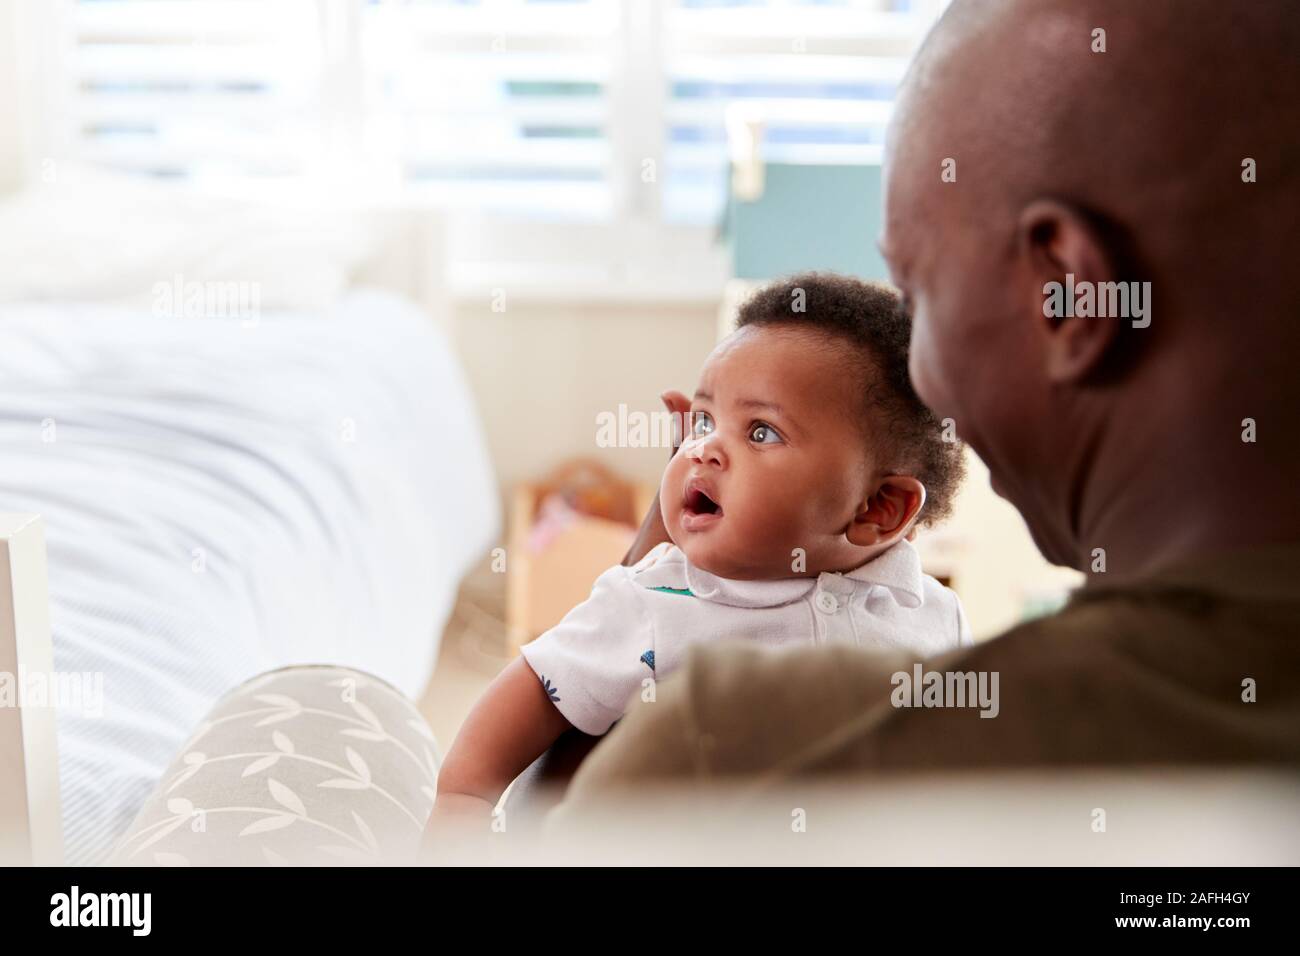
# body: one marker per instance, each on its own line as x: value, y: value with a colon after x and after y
x: 652, y: 530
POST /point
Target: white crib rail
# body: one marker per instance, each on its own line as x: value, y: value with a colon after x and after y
x: 30, y: 821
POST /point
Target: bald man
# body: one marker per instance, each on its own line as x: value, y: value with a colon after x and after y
x: 1027, y: 148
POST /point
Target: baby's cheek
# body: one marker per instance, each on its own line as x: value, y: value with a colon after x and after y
x: 776, y: 521
x: 670, y: 487
x: 802, y: 516
x: 669, y: 478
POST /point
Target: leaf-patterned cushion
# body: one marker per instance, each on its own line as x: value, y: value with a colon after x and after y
x: 308, y: 765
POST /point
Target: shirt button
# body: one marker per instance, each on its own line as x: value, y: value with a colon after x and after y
x: 827, y: 602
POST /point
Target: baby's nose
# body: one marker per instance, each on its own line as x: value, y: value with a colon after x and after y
x: 708, y: 450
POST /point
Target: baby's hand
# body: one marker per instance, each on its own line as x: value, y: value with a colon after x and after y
x: 458, y: 820
x: 652, y: 530
x: 680, y: 407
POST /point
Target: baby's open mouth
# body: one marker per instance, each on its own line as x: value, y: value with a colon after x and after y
x: 699, y: 503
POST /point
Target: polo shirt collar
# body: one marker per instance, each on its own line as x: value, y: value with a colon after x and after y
x: 710, y: 587
x: 898, y: 570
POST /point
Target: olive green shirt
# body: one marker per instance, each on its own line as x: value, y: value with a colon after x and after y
x: 1192, y: 666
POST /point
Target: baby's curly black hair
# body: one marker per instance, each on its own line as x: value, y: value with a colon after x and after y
x: 869, y: 317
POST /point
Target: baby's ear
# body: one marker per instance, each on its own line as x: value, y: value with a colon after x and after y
x: 889, y: 512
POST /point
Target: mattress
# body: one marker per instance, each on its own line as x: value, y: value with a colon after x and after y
x: 223, y: 497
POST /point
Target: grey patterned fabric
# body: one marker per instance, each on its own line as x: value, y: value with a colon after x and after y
x: 304, y: 766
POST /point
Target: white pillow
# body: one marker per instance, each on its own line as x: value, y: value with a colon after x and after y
x: 90, y: 235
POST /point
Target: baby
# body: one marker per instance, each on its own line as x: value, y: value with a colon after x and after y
x: 807, y: 462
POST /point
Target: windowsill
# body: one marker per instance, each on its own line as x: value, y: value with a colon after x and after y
x: 546, y: 283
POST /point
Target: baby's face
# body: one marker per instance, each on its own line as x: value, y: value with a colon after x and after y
x: 773, y: 460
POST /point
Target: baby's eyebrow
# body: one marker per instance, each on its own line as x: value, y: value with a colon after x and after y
x: 785, y: 417
x: 701, y: 394
x: 760, y: 403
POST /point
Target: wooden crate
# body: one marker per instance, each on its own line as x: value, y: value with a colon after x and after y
x: 543, y: 586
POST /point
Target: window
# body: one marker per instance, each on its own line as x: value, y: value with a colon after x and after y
x: 185, y: 89
x: 501, y: 103
x: 569, y: 112
x: 818, y: 76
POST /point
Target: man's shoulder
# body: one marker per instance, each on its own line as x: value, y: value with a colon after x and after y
x: 1109, y: 678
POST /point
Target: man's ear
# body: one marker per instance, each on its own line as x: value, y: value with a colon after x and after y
x: 888, y: 514
x: 1057, y: 240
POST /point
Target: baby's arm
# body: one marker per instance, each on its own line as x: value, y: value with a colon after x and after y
x: 580, y: 674
x: 513, y: 724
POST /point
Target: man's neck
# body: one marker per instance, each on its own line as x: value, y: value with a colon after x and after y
x: 1169, y: 496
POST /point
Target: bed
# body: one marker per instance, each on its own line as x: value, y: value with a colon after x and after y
x: 221, y: 496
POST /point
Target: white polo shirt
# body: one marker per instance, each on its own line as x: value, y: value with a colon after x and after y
x: 640, y: 621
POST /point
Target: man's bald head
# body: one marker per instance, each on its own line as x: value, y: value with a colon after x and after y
x: 1140, y: 133
x: 1117, y: 165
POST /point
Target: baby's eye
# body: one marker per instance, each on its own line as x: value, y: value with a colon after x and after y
x: 701, y: 424
x: 764, y: 434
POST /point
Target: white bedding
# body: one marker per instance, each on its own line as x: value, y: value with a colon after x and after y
x: 223, y: 499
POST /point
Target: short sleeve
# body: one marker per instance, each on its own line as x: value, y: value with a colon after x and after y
x: 594, y: 660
